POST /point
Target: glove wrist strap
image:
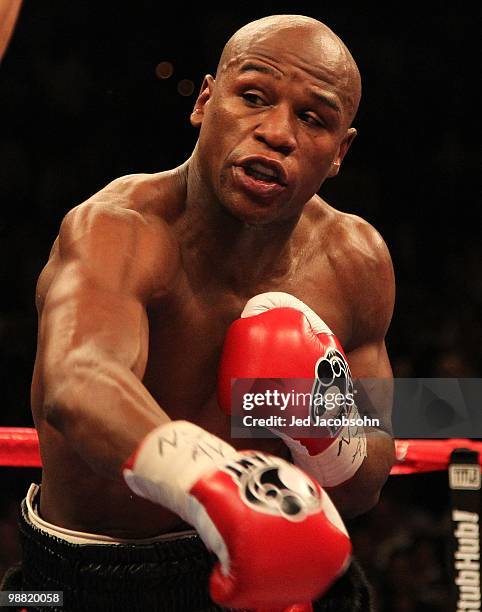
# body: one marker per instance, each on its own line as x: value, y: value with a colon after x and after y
x: 339, y: 461
x: 168, y: 462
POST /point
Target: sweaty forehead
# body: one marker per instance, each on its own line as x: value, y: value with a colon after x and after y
x: 303, y: 46
x: 314, y: 54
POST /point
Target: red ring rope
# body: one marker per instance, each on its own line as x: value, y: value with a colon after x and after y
x: 19, y: 447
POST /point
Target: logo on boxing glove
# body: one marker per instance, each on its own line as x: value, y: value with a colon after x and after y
x: 272, y: 486
x: 333, y: 388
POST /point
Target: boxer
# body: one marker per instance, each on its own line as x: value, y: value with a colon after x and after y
x: 141, y: 286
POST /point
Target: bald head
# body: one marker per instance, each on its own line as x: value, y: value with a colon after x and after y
x: 310, y: 41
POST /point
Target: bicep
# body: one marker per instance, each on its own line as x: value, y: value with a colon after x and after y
x: 370, y: 361
x: 373, y: 378
x: 107, y: 264
x: 373, y: 288
x: 83, y: 320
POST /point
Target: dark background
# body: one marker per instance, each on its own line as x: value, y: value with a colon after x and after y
x: 80, y: 104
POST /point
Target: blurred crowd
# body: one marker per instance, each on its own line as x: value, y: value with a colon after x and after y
x: 403, y: 545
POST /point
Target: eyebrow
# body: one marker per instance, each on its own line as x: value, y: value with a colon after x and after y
x: 326, y: 100
x: 320, y: 97
x: 253, y: 66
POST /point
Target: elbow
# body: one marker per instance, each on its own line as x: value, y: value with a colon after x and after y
x: 57, y: 410
x: 62, y: 388
x: 356, y: 506
x: 367, y: 503
x: 369, y: 490
x: 360, y: 494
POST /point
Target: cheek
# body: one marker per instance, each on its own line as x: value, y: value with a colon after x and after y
x: 318, y: 160
x: 217, y: 128
x: 220, y: 115
x: 210, y: 146
x: 315, y: 170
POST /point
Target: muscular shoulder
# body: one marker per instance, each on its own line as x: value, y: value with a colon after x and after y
x: 357, y: 247
x: 363, y: 267
x: 148, y: 194
x: 118, y: 238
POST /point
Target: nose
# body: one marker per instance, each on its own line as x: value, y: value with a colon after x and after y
x: 276, y: 129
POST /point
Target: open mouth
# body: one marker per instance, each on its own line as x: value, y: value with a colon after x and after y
x: 261, y: 173
x: 264, y: 169
x: 263, y: 179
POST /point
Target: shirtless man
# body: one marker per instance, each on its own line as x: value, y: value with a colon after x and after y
x: 147, y: 275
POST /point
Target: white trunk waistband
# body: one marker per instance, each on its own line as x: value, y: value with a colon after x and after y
x: 79, y: 537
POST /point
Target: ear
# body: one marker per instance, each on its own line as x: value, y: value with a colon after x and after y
x: 205, y: 94
x: 342, y: 150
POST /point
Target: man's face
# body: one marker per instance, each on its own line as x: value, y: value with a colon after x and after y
x: 273, y: 125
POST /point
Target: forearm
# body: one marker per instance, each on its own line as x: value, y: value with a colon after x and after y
x: 103, y: 411
x: 361, y: 492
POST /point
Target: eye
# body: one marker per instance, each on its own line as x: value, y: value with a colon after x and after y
x: 253, y: 99
x: 311, y: 119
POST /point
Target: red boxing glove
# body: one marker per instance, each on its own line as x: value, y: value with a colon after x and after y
x: 278, y: 336
x: 276, y: 533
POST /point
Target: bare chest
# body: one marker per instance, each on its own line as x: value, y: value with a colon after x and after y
x: 188, y: 327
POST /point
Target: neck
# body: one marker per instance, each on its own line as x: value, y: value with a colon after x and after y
x: 214, y: 240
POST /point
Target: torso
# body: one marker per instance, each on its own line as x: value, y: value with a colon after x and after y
x: 186, y: 331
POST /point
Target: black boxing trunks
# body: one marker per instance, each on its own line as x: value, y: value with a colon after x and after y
x: 169, y: 573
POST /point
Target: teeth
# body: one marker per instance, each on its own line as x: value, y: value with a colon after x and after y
x: 259, y: 176
x: 258, y: 167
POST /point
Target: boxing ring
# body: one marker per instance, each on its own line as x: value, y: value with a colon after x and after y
x: 19, y: 448
x: 461, y: 457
